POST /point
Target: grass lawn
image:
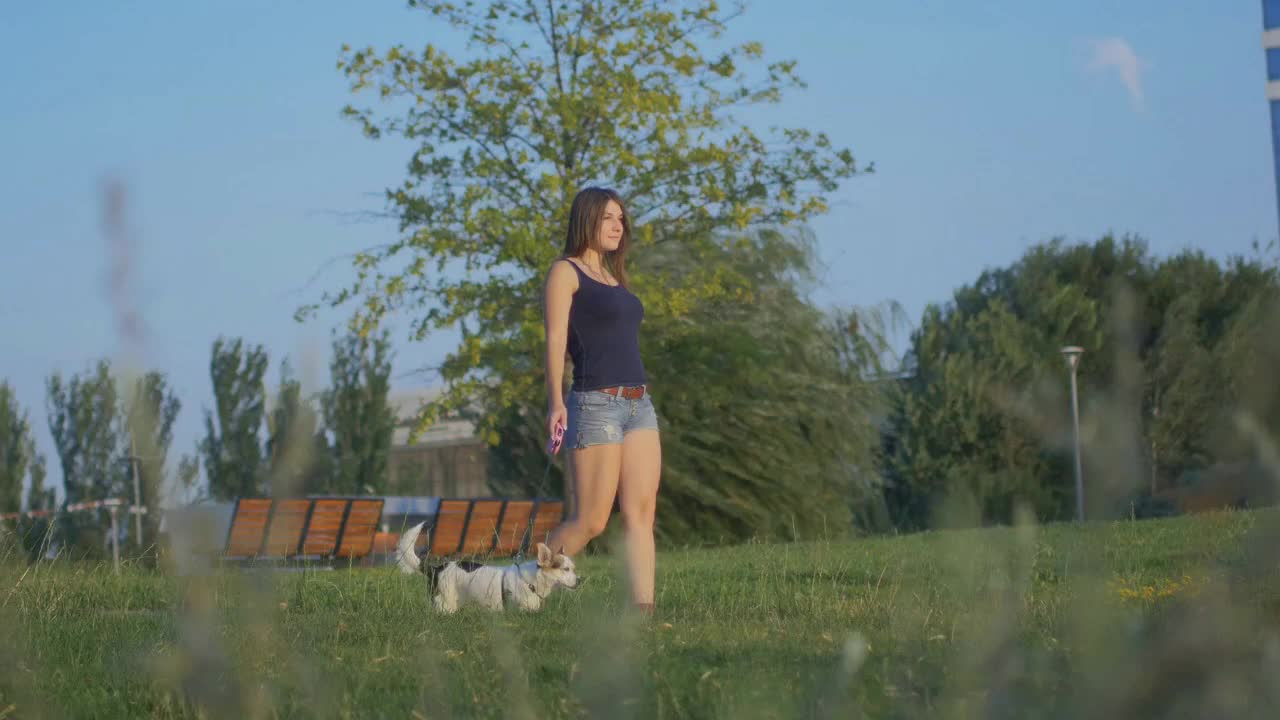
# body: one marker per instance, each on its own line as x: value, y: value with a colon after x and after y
x: 1169, y: 618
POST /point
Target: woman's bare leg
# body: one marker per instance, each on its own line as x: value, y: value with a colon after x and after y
x: 595, y: 471
x: 638, y: 498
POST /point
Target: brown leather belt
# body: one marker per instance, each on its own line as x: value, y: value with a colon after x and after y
x: 630, y: 393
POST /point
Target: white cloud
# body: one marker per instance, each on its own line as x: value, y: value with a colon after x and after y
x: 1116, y: 53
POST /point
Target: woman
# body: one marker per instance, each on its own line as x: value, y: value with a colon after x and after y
x: 611, y: 429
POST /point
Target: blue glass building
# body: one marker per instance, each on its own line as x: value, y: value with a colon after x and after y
x: 1271, y: 44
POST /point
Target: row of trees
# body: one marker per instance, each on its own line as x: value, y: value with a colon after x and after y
x: 333, y: 442
x: 779, y: 419
x: 110, y: 432
x: 1178, y: 362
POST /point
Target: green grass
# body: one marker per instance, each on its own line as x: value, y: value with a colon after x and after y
x: 1171, y: 618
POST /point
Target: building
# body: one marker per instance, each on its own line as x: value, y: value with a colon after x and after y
x: 1271, y: 44
x: 448, y: 460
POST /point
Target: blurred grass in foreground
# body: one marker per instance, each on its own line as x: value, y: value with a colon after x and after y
x: 1168, y: 618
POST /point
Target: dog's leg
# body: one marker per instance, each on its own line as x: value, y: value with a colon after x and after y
x: 493, y: 593
x: 443, y: 604
x: 446, y: 598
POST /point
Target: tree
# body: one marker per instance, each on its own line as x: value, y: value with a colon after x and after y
x: 19, y: 462
x: 234, y: 460
x: 40, y: 497
x: 356, y: 414
x: 764, y: 406
x: 150, y: 413
x: 1246, y: 351
x: 1185, y: 395
x: 36, y: 531
x: 84, y: 418
x: 981, y: 417
x: 559, y: 96
x: 296, y: 446
x: 767, y: 405
x: 188, y: 473
x: 17, y: 449
x: 85, y: 421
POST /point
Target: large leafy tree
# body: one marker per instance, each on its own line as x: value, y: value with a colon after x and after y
x: 1213, y: 360
x: 356, y: 414
x: 765, y: 406
x: 557, y: 96
x: 232, y: 448
x: 975, y: 420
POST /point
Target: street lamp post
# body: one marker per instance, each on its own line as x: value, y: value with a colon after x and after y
x: 1073, y: 353
x: 137, y: 491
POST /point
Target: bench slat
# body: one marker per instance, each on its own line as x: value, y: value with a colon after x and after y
x: 514, y: 527
x: 446, y: 533
x: 287, y: 521
x: 248, y: 526
x: 324, y: 526
x: 549, y: 514
x: 358, y: 531
x: 482, y: 527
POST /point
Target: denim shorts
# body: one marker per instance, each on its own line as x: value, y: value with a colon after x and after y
x: 597, y: 418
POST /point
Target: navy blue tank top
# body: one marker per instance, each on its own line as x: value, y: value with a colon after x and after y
x: 604, y: 335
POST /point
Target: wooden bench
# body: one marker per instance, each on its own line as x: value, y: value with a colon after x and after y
x: 337, y: 529
x: 297, y: 529
x: 487, y: 527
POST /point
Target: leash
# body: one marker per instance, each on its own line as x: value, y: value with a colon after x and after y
x: 526, y: 583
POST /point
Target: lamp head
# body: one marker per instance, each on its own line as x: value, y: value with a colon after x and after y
x: 1072, y: 353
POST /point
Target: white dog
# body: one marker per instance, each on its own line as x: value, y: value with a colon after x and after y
x: 523, y: 585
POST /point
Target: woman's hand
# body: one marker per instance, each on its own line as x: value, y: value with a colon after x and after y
x: 556, y: 414
x: 557, y: 420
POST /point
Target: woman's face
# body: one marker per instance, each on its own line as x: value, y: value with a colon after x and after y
x: 610, y: 228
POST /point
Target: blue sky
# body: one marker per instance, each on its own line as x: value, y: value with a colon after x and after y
x: 993, y: 126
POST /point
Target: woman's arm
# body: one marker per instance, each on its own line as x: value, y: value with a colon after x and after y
x: 561, y: 283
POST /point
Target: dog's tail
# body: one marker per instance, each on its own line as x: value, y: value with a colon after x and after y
x: 407, y: 559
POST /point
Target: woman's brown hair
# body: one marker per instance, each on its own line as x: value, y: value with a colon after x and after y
x: 586, y: 216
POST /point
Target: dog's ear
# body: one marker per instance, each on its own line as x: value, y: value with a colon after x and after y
x: 559, y: 557
x: 545, y: 558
